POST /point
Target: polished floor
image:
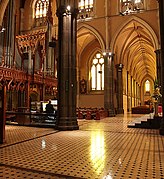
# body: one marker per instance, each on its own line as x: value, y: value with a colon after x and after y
x: 104, y: 149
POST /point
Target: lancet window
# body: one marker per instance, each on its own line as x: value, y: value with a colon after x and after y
x: 147, y: 86
x: 97, y: 72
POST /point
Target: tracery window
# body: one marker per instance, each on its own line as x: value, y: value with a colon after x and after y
x: 147, y: 86
x: 85, y: 9
x: 41, y: 8
x: 131, y: 6
x: 97, y: 72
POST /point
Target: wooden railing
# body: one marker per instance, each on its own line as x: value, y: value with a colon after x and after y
x: 28, y: 118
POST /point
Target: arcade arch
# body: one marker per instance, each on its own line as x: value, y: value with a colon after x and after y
x: 134, y: 44
x: 89, y: 43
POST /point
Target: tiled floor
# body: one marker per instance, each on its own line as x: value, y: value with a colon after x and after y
x: 104, y: 149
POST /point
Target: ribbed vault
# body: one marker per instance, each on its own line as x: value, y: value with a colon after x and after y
x: 134, y: 48
x: 86, y: 37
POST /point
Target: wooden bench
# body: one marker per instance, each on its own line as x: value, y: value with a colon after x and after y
x: 91, y: 113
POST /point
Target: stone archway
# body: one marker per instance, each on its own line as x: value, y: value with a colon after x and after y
x: 134, y: 44
x: 89, y: 42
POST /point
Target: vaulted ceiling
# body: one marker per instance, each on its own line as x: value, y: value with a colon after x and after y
x: 135, y: 49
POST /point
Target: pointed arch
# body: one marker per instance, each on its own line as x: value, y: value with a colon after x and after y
x: 134, y: 44
x: 153, y: 36
x: 94, y: 32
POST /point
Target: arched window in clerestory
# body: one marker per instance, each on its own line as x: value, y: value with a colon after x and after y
x: 41, y: 8
x: 85, y: 9
x: 131, y: 6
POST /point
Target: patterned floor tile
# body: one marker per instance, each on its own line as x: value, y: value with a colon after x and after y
x: 104, y: 149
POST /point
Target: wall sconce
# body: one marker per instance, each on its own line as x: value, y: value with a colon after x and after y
x: 107, y: 54
x: 2, y: 30
x: 66, y: 8
x: 69, y: 8
x: 67, y: 11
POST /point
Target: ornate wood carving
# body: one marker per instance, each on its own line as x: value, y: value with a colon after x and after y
x: 16, y: 78
x: 30, y: 41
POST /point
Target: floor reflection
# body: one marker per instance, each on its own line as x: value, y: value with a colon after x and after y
x: 97, y: 150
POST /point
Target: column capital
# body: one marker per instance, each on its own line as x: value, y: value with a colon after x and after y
x: 119, y: 66
x: 67, y: 6
x: 72, y: 3
x: 108, y: 53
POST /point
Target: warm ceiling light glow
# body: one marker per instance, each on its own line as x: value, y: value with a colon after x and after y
x: 68, y: 8
x: 104, y: 53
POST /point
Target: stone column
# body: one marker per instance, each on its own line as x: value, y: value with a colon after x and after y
x: 27, y: 94
x: 158, y: 69
x: 10, y: 34
x: 128, y: 92
x: 109, y: 84
x: 30, y: 61
x: 161, y: 18
x: 2, y: 113
x: 158, y: 66
x: 21, y: 19
x: 67, y: 77
x: 120, y: 109
x: 49, y: 50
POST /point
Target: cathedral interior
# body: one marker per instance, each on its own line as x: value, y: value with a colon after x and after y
x: 100, y: 62
x: 125, y: 33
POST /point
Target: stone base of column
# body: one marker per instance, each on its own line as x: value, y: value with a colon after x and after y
x: 67, y: 124
x: 161, y: 130
x: 120, y: 111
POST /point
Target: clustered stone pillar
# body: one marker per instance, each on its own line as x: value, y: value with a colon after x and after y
x: 109, y: 85
x: 119, y: 68
x: 161, y: 18
x: 158, y: 62
x: 67, y: 77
